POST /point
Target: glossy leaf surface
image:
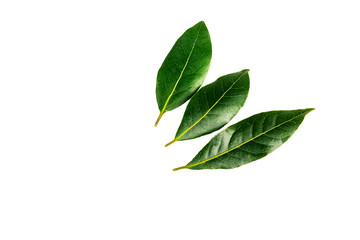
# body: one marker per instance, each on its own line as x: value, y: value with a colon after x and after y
x: 213, y: 106
x: 184, y: 68
x: 248, y: 140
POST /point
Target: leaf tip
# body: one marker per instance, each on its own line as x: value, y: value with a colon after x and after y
x: 310, y: 109
x: 201, y: 23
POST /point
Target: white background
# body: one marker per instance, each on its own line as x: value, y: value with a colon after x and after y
x: 81, y: 159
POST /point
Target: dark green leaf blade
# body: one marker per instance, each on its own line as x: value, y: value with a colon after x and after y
x: 184, y: 68
x: 213, y: 106
x: 248, y: 140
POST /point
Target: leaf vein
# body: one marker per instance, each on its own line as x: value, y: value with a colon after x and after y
x: 182, y: 71
x: 241, y: 144
x: 210, y: 107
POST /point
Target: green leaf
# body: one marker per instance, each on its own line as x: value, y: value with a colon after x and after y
x: 213, y: 106
x: 184, y: 69
x: 248, y: 140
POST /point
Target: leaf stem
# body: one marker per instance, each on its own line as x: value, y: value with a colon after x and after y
x: 158, y: 119
x: 183, y: 167
x: 168, y: 144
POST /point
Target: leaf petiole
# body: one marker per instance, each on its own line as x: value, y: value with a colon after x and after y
x: 168, y: 144
x: 158, y: 119
x: 179, y: 168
